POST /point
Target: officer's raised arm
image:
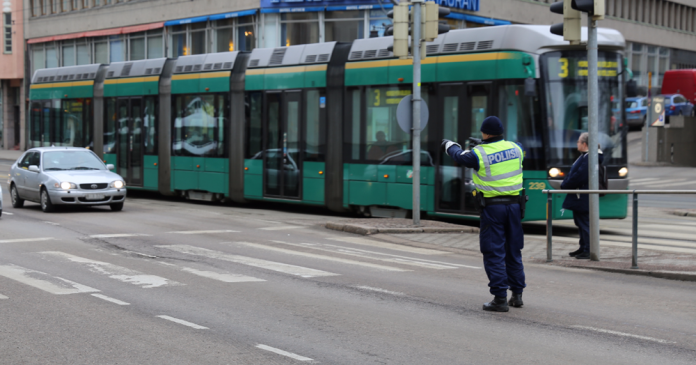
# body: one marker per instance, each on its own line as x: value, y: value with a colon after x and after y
x: 461, y: 156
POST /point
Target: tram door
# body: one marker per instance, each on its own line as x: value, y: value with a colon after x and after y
x: 463, y: 108
x: 282, y: 155
x: 130, y: 140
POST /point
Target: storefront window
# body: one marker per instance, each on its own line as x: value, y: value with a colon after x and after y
x: 83, y: 56
x: 51, y: 57
x: 344, y: 26
x: 224, y: 34
x: 179, y: 43
x: 69, y: 53
x: 299, y: 28
x: 38, y: 58
x: 246, y: 37
x: 117, y: 50
x: 137, y: 48
x: 155, y: 45
x: 198, y: 38
x: 378, y: 23
x: 101, y: 51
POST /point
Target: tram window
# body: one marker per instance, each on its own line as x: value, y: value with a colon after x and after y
x: 383, y: 136
x: 253, y: 125
x: 355, y: 135
x: 314, y: 140
x: 35, y: 116
x: 520, y: 117
x: 70, y: 130
x: 150, y: 125
x: 199, y: 125
x: 110, y: 126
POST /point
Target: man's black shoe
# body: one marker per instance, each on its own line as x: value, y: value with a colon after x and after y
x: 575, y: 253
x: 583, y: 256
x: 516, y: 300
x: 498, y: 304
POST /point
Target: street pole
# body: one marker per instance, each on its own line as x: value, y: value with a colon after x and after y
x: 648, y: 118
x: 593, y: 111
x: 415, y: 51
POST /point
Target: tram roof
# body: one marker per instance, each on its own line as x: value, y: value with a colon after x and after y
x: 135, y: 68
x: 70, y: 73
x: 303, y: 54
x: 527, y: 38
x: 206, y: 62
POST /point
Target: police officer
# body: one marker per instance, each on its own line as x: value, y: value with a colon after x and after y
x: 501, y: 200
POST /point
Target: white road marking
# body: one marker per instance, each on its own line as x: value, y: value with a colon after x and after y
x: 8, y: 213
x: 263, y: 264
x: 281, y: 228
x: 621, y: 334
x: 284, y: 353
x: 52, y: 223
x: 672, y: 184
x: 27, y: 240
x: 657, y: 182
x: 204, y: 232
x: 641, y: 180
x: 117, y: 272
x: 390, y: 246
x: 109, y: 299
x: 320, y: 257
x: 185, y: 323
x: 119, y: 235
x: 140, y: 254
x: 227, y: 278
x: 43, y: 281
x: 379, y: 290
x: 3, y: 297
x: 449, y: 264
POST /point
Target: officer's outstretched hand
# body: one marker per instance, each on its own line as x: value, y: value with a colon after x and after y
x: 446, y: 144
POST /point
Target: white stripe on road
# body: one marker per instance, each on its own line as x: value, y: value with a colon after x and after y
x: 204, y: 232
x: 378, y: 290
x: 109, y: 299
x: 43, y: 281
x: 390, y: 246
x: 284, y: 353
x: 621, y: 334
x: 52, y: 223
x: 227, y: 278
x: 281, y: 228
x: 3, y: 297
x: 673, y: 184
x: 116, y: 272
x: 119, y: 235
x: 657, y: 182
x: 449, y: 264
x: 320, y: 257
x: 263, y: 264
x: 630, y: 181
x: 185, y: 323
x: 8, y: 213
x: 27, y: 240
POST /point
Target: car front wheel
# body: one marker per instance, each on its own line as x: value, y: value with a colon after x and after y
x: 17, y: 202
x: 117, y: 207
x: 46, y: 204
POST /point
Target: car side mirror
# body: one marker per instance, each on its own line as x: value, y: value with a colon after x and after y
x: 34, y: 168
x: 110, y: 167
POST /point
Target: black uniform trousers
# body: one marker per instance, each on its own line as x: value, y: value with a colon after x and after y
x: 582, y: 221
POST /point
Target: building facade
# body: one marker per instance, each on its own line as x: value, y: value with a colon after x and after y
x: 661, y: 34
x: 11, y: 75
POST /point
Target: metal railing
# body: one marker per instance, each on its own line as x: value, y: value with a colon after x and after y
x: 549, y: 214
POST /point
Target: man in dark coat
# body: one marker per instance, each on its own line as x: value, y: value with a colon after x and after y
x: 578, y: 178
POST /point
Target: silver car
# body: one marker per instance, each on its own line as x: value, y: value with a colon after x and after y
x: 65, y: 176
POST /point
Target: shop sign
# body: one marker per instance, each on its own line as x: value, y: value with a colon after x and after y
x: 298, y: 5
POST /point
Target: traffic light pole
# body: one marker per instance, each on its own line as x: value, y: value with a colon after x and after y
x: 593, y: 128
x: 415, y: 51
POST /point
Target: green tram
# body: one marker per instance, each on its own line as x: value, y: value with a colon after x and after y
x: 316, y: 124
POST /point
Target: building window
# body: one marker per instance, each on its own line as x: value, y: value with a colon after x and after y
x: 7, y: 32
x: 101, y: 50
x: 117, y: 49
x: 136, y: 46
x: 299, y: 28
x: 199, y: 33
x: 51, y: 56
x: 68, y: 53
x: 189, y: 39
x: 38, y: 57
x: 344, y: 26
x: 83, y: 52
x: 378, y: 23
x: 179, y: 41
x: 236, y: 34
x: 224, y: 35
x: 246, y: 33
x: 155, y: 44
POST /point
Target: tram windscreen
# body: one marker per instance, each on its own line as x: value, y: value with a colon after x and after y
x: 567, y: 105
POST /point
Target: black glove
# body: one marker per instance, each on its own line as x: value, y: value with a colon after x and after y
x: 446, y: 144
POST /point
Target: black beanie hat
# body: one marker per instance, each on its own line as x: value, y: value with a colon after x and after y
x: 492, y: 125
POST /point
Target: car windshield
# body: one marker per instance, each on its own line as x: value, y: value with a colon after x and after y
x: 631, y: 104
x: 71, y: 160
x: 668, y: 100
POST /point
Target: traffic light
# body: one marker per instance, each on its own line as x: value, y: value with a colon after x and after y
x: 432, y: 14
x: 431, y: 26
x: 595, y: 8
x: 399, y: 29
x: 570, y: 28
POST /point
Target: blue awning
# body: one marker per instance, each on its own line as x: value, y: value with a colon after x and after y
x: 199, y: 19
x: 291, y: 10
x: 358, y: 7
x: 235, y: 14
x: 477, y: 19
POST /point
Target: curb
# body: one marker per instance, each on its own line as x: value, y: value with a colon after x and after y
x: 682, y: 213
x: 368, y: 230
x: 671, y: 275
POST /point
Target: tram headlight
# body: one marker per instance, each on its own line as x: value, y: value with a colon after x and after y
x: 623, y: 171
x: 555, y: 172
x: 118, y: 184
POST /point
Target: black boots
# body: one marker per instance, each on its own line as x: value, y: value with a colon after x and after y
x: 583, y: 256
x: 576, y: 252
x: 498, y: 304
x: 516, y: 300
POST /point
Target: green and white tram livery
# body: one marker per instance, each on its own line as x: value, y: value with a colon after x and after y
x: 316, y: 124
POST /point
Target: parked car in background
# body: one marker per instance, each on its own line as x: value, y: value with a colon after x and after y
x: 676, y: 104
x: 680, y: 82
x: 636, y: 111
x: 54, y: 176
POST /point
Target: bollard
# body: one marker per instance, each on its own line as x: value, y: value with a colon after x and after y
x: 634, y: 259
x: 549, y: 228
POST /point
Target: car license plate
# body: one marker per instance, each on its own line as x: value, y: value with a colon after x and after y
x: 95, y: 197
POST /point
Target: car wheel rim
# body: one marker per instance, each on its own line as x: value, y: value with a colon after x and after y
x: 14, y: 195
x: 43, y: 200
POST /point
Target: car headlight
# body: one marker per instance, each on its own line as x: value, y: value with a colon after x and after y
x: 65, y: 185
x: 623, y: 172
x: 554, y: 172
x: 118, y: 184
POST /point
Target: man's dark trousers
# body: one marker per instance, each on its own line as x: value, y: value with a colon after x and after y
x: 501, y: 240
x: 582, y: 221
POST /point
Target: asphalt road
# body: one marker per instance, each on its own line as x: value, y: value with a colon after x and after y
x: 188, y: 283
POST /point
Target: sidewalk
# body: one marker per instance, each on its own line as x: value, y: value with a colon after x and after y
x: 675, y: 266
x: 10, y: 155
